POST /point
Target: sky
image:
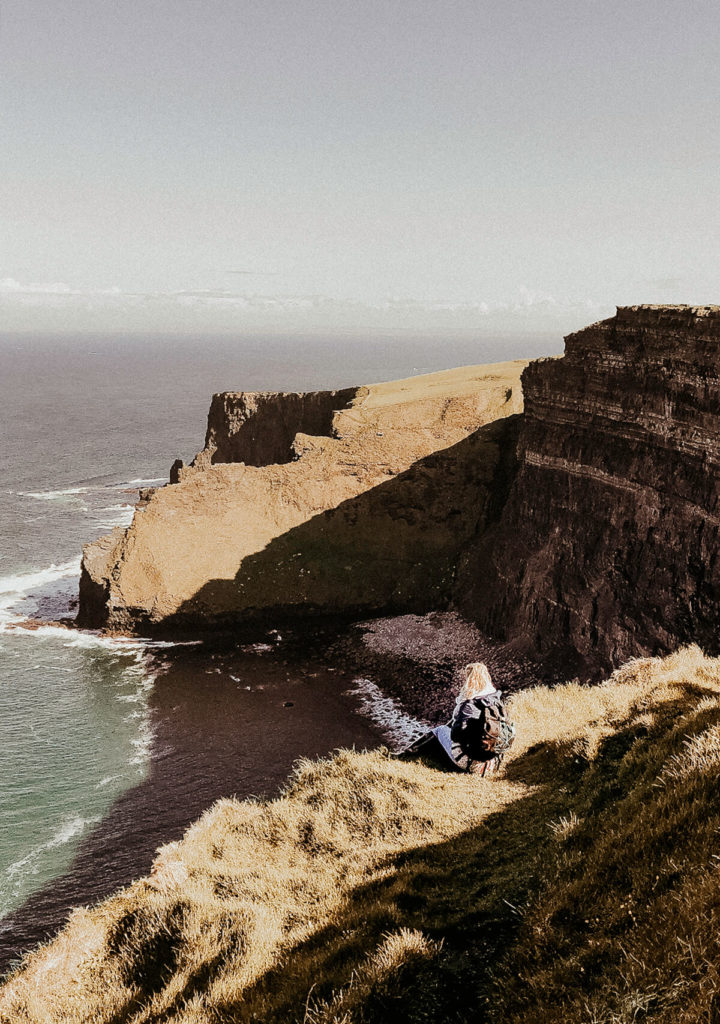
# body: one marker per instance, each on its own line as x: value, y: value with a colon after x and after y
x: 355, y: 164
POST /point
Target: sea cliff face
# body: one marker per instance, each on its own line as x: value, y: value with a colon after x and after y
x: 598, y: 543
x: 352, y: 502
x: 609, y: 544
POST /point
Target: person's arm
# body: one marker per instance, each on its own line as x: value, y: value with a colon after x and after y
x: 467, y: 710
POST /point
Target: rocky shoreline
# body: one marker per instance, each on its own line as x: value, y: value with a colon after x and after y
x: 418, y: 660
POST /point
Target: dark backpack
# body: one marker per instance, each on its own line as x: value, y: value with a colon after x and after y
x: 481, y: 730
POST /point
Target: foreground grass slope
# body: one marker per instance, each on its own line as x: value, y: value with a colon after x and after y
x: 579, y: 885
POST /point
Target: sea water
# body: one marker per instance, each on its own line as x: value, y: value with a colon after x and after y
x: 104, y: 752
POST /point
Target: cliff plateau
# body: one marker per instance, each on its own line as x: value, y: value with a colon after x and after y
x: 609, y: 544
x: 354, y: 502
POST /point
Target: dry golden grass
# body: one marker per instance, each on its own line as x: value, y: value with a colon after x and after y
x: 625, y: 925
x: 579, y: 884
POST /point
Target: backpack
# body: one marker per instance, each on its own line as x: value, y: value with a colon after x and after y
x: 480, y: 731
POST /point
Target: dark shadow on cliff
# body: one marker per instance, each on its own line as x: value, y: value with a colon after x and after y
x: 213, y: 736
x: 469, y: 894
x: 264, y: 434
x: 463, y: 894
x: 393, y: 548
x: 203, y: 746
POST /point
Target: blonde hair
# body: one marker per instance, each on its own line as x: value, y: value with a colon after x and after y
x: 477, y: 677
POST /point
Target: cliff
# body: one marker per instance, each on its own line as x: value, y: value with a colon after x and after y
x: 609, y: 546
x: 352, y: 502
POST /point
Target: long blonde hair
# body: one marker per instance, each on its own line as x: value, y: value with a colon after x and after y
x: 477, y: 678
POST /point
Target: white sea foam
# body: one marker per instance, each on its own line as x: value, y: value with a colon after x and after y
x: 107, y: 517
x: 106, y: 781
x: 158, y: 645
x: 83, y: 639
x: 132, y: 698
x: 69, y: 829
x: 21, y: 594
x: 397, y: 727
x: 113, y: 515
x: 142, y: 744
x: 73, y: 492
x: 23, y: 582
x: 14, y: 880
x: 48, y: 594
x: 66, y: 492
x: 88, y: 639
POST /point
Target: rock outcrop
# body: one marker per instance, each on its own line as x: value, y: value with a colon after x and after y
x: 351, y: 502
x: 609, y: 544
x: 260, y: 428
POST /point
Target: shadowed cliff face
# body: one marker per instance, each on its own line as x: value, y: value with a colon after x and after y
x: 391, y: 548
x: 350, y: 502
x: 259, y: 428
x: 609, y: 545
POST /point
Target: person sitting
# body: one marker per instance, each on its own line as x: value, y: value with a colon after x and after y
x: 479, y: 733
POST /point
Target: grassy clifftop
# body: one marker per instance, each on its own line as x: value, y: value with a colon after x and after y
x: 579, y: 885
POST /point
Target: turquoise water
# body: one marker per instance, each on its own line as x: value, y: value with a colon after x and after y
x: 74, y: 733
x: 85, y: 734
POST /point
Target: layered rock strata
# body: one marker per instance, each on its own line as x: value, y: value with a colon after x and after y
x: 352, y: 502
x: 609, y: 545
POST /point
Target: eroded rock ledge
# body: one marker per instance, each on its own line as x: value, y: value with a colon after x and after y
x: 609, y: 545
x: 352, y: 502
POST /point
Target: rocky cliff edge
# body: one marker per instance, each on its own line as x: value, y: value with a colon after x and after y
x: 609, y: 544
x: 355, y: 501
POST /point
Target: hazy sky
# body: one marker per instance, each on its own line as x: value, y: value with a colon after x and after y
x: 171, y: 164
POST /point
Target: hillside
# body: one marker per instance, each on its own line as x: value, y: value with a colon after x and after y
x: 578, y: 885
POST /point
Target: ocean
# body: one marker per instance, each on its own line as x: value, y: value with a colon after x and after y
x: 109, y: 748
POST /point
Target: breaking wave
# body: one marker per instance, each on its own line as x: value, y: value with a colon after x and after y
x: 16, y: 876
x: 23, y: 594
x: 67, y: 492
x: 397, y: 727
x: 51, y: 593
